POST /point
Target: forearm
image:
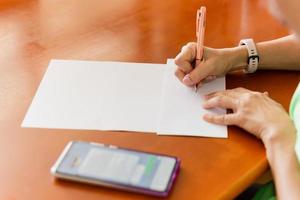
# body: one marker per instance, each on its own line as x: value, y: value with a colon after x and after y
x: 285, y: 168
x: 282, y: 53
x: 279, y: 54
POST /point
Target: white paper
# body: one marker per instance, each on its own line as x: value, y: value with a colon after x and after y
x: 181, y: 109
x: 120, y: 96
x: 97, y: 96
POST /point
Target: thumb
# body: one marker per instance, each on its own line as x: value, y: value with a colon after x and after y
x: 199, y: 73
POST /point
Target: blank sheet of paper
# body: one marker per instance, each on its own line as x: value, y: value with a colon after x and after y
x: 181, y: 109
x: 120, y: 96
x: 97, y: 96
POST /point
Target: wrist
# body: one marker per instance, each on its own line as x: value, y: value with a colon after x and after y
x: 238, y: 58
x: 279, y: 144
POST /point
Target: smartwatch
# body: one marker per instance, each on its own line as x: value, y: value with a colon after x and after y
x: 253, y: 57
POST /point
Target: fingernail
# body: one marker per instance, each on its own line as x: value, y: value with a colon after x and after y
x: 206, y: 117
x: 187, y: 80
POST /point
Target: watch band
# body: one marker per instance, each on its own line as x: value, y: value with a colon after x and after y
x: 253, y: 57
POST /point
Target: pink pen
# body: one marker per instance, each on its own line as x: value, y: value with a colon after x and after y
x: 200, y: 30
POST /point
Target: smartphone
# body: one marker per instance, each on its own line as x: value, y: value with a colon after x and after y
x: 120, y: 168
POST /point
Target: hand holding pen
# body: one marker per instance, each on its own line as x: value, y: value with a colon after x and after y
x: 191, y: 67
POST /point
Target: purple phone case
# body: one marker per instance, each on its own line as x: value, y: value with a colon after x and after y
x: 125, y: 187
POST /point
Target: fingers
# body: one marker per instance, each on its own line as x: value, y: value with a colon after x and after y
x: 241, y: 101
x: 234, y: 93
x: 199, y: 76
x: 186, y: 57
x: 199, y: 73
x: 188, y: 81
x: 185, y: 62
x: 224, y: 99
x: 229, y: 93
x: 180, y: 74
x: 241, y: 90
x: 221, y: 101
x: 184, y: 78
x: 227, y: 119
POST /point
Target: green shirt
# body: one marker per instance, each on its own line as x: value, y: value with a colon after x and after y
x: 295, y: 115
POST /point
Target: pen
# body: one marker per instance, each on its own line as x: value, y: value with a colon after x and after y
x: 200, y: 30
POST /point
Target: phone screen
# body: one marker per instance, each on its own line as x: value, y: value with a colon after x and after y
x: 119, y: 167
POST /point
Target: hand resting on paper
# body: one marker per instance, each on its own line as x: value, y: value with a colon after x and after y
x: 255, y: 112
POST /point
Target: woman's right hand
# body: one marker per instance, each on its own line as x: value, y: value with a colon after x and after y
x: 215, y: 63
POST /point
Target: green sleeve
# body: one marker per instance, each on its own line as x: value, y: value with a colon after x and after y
x: 295, y: 115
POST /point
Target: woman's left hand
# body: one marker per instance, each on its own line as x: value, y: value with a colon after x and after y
x: 255, y: 112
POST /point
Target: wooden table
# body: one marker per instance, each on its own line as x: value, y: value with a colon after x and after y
x: 33, y: 32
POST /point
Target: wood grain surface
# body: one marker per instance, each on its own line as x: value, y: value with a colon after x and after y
x: 33, y: 32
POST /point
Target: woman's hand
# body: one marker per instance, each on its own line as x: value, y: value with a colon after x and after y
x: 216, y: 62
x: 255, y: 112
